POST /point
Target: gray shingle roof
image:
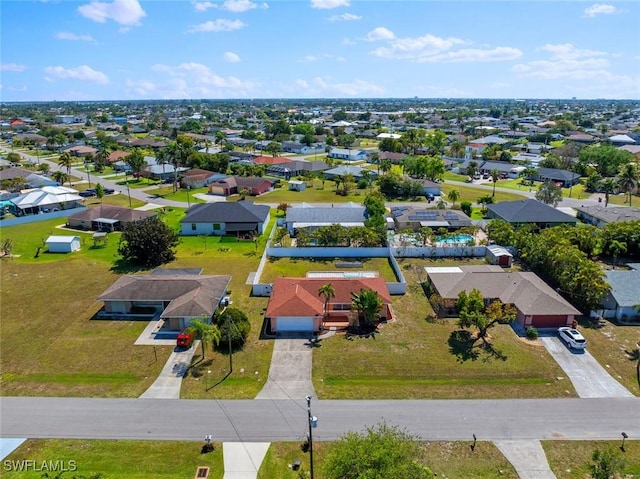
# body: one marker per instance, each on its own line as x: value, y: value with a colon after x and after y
x: 529, y: 211
x: 223, y: 212
x: 326, y: 214
x: 625, y: 286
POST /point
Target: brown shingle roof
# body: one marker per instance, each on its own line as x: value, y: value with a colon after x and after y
x: 125, y: 215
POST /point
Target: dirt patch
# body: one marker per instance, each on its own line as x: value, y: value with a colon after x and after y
x: 531, y: 342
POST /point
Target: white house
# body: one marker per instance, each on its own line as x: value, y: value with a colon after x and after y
x: 347, y: 154
x: 63, y: 244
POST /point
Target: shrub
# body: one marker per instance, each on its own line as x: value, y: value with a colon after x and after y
x: 235, y: 321
x: 532, y: 333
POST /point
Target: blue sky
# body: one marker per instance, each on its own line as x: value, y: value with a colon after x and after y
x: 168, y: 49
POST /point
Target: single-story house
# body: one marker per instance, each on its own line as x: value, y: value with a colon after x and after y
x: 177, y: 298
x: 622, y: 300
x: 80, y: 150
x: 600, y: 216
x: 118, y: 155
x: 271, y: 160
x: 12, y: 172
x: 356, y: 171
x: 537, y: 304
x: 431, y: 188
x: 301, y: 148
x: 63, y: 244
x: 347, y: 154
x: 39, y: 181
x: 621, y: 139
x: 297, y: 185
x: 486, y: 167
x: 43, y: 201
x: 411, y: 217
x: 563, y: 178
x: 396, y: 158
x: 106, y: 218
x: 295, y: 304
x: 529, y: 211
x: 232, y: 185
x: 495, y: 254
x: 221, y: 218
x: 296, y: 168
x: 304, y: 216
x: 197, y: 178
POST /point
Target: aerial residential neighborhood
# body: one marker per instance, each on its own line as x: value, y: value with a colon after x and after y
x: 322, y: 239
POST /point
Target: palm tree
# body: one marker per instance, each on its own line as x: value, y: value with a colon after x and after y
x: 60, y: 176
x: 628, y: 179
x: 608, y: 187
x: 453, y: 196
x: 441, y: 204
x: 327, y: 291
x: 615, y: 249
x: 367, y: 303
x: 495, y: 176
x: 65, y: 161
x: 101, y: 158
x: 483, y: 201
x: 207, y: 333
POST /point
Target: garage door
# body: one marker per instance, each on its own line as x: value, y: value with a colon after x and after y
x: 294, y: 324
x: 549, y: 321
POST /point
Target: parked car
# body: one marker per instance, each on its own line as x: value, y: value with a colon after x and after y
x: 88, y: 193
x: 109, y: 191
x: 185, y: 340
x: 572, y: 338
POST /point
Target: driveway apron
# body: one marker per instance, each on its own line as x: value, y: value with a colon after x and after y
x: 242, y: 459
x: 290, y: 370
x: 589, y: 378
x: 169, y: 382
x: 527, y: 457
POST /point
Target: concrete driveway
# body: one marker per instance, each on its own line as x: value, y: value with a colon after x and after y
x: 290, y: 370
x: 589, y: 378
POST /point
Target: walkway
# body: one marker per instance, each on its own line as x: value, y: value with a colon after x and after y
x: 290, y: 370
x: 527, y: 457
x: 589, y: 378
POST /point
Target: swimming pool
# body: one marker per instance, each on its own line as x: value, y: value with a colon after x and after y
x: 457, y: 239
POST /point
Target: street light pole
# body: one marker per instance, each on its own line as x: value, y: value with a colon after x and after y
x: 128, y: 190
x: 312, y: 422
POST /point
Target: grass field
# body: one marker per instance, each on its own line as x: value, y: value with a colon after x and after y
x: 119, y: 459
x: 471, y: 193
x: 570, y: 459
x: 298, y: 267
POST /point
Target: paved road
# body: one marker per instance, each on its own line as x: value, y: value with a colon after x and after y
x: 286, y: 420
x: 589, y: 378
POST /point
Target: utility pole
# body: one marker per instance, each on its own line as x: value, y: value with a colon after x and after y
x: 313, y: 421
x: 229, y: 339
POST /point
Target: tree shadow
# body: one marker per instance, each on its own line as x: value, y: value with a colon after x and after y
x: 199, y: 366
x: 462, y: 344
x: 120, y: 266
x: 492, y: 352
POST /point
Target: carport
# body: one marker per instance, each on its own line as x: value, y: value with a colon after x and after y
x: 104, y: 224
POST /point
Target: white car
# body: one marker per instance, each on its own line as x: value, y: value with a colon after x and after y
x: 572, y: 338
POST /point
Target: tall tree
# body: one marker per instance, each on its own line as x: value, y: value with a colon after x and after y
x: 473, y: 313
x: 207, y: 333
x: 65, y: 161
x: 148, y: 242
x: 60, y: 177
x: 327, y: 291
x: 495, y: 176
x: 549, y: 193
x: 453, y: 196
x: 628, y: 179
x: 135, y: 161
x: 608, y: 187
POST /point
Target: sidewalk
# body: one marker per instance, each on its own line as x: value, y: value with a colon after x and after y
x: 243, y: 459
x: 527, y: 457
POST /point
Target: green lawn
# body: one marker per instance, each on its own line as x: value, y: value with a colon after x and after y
x: 118, y: 459
x: 313, y: 194
x: 570, y: 459
x: 168, y: 193
x: 414, y: 358
x: 471, y: 193
x: 137, y: 182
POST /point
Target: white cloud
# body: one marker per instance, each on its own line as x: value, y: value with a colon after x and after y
x: 12, y: 67
x: 218, y: 25
x: 74, y: 37
x: 470, y: 55
x: 124, y: 12
x: 82, y: 72
x: 140, y: 88
x: 314, y: 58
x: 323, y: 87
x: 599, y: 8
x: 348, y: 41
x: 22, y: 88
x: 345, y: 17
x: 416, y: 49
x: 566, y: 51
x: 195, y: 76
x: 327, y: 4
x: 379, y: 33
x: 239, y: 6
x: 231, y: 57
x: 204, y: 6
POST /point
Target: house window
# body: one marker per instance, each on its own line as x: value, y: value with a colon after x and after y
x: 193, y: 226
x: 216, y: 227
